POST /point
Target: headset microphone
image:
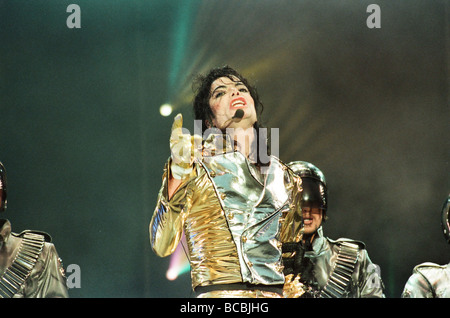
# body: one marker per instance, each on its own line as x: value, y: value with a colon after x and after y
x: 238, y: 114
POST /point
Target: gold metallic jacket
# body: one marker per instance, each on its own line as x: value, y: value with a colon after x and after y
x: 46, y: 279
x: 234, y: 218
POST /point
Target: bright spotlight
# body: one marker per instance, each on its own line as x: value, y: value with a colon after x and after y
x: 165, y: 110
x: 172, y: 274
x: 179, y: 264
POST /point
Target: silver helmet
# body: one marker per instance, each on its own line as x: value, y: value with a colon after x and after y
x: 3, y: 187
x: 445, y: 219
x: 314, y: 185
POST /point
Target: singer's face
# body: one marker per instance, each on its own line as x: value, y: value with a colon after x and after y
x: 312, y: 219
x: 227, y: 96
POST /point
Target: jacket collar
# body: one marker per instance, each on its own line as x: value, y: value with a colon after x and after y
x: 318, y: 243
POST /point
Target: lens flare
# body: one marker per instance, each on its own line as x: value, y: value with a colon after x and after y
x: 179, y: 264
x: 165, y: 110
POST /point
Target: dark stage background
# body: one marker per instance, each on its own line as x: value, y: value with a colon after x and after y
x: 84, y: 143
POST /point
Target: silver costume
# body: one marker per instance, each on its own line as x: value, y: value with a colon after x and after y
x: 339, y: 273
x: 428, y: 280
x: 234, y: 219
x: 319, y: 267
x: 29, y: 264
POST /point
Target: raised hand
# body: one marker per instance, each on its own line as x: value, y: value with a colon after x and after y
x: 183, y: 149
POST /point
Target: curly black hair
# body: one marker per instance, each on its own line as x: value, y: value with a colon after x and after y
x: 202, y: 88
x: 202, y: 109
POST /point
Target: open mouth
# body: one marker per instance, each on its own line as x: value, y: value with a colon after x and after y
x: 307, y: 221
x: 238, y: 103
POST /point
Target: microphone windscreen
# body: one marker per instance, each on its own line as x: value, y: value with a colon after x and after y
x: 239, y: 114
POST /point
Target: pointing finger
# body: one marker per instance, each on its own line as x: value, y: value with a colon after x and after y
x: 177, y: 122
